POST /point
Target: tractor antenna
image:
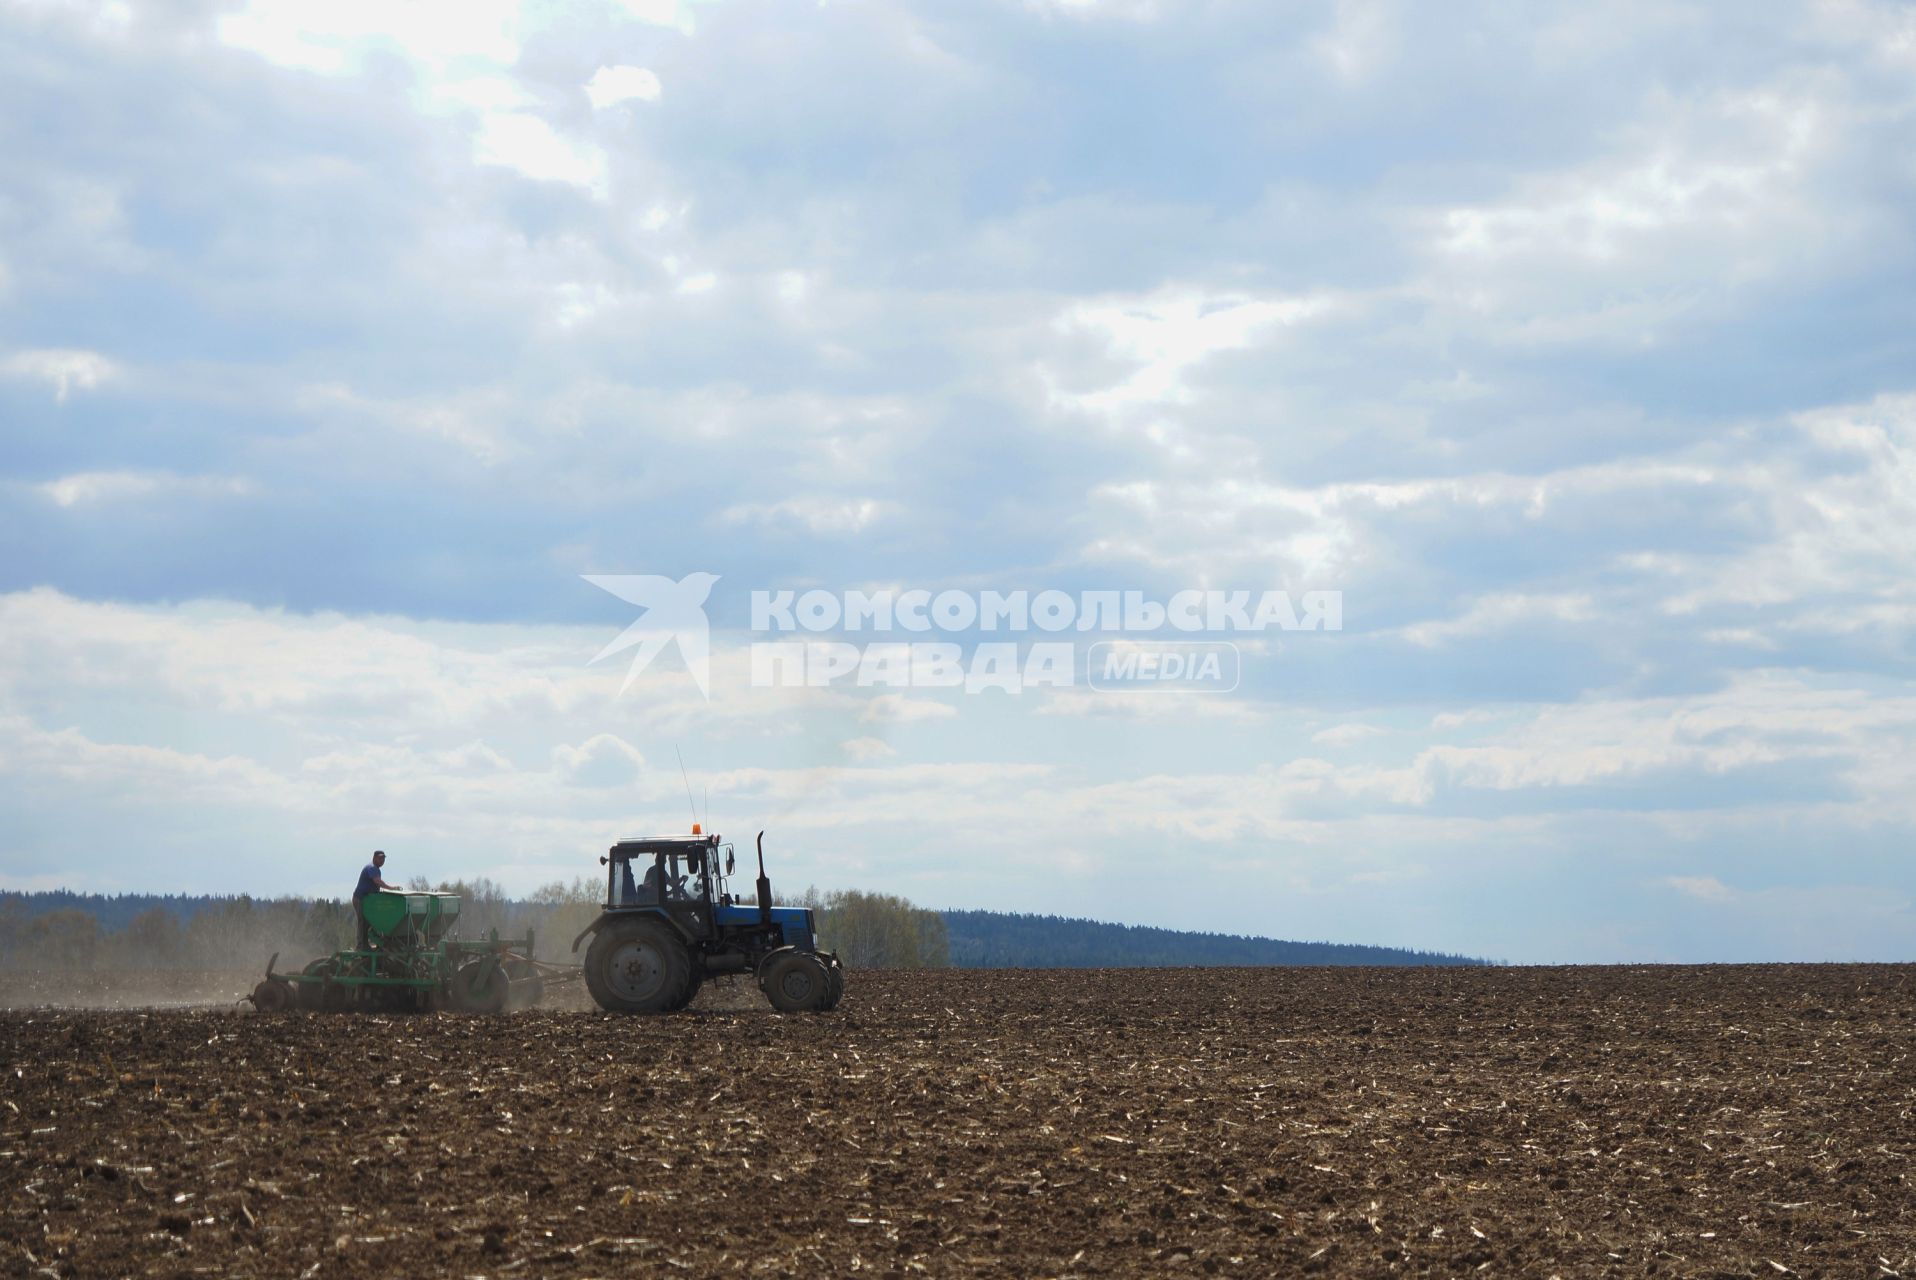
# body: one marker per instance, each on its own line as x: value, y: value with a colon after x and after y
x: 688, y: 784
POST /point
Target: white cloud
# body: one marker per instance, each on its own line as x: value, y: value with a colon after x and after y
x: 1149, y: 705
x: 109, y: 19
x: 518, y: 140
x: 865, y: 750
x: 467, y: 420
x: 90, y: 487
x: 1137, y: 11
x: 1346, y: 735
x: 1489, y: 615
x: 900, y: 708
x: 64, y: 369
x: 1160, y: 339
x: 824, y: 516
x: 1702, y: 888
x: 482, y: 93
x: 332, y: 36
x: 1360, y: 41
x: 1458, y: 719
x: 661, y: 13
x: 1842, y: 529
x: 1700, y: 198
x: 1759, y: 719
x: 161, y: 772
x: 610, y: 86
x: 1747, y: 637
x: 464, y: 55
x: 604, y: 760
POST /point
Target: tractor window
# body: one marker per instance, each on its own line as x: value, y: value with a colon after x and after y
x: 668, y: 875
x: 690, y: 886
x: 648, y: 890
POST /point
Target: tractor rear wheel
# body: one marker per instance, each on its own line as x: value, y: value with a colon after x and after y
x: 692, y: 984
x: 798, y: 981
x: 638, y: 966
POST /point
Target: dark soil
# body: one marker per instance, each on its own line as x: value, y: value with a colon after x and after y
x: 1738, y: 1121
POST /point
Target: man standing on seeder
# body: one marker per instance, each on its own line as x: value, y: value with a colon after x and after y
x: 369, y: 882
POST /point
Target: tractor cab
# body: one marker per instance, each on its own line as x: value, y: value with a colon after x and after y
x: 682, y: 876
x: 647, y: 876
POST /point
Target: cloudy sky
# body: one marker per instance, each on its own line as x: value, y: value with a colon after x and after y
x: 338, y: 339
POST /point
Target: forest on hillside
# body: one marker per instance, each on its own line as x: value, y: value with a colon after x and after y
x: 998, y: 940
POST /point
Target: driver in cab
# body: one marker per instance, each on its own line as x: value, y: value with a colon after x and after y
x: 648, y: 893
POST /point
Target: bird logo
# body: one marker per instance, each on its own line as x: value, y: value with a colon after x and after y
x: 674, y: 612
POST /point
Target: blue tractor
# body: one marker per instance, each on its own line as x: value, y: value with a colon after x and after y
x: 671, y: 921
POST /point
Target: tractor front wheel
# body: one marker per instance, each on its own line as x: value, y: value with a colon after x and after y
x: 638, y: 966
x: 797, y: 981
x: 835, y: 973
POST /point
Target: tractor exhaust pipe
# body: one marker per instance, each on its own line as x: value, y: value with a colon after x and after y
x: 764, y: 886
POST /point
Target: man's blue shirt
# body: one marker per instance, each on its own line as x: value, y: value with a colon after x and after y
x: 368, y: 882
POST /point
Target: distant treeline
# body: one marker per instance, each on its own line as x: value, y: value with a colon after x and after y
x: 878, y: 931
x: 157, y: 933
x: 62, y: 930
x: 998, y: 940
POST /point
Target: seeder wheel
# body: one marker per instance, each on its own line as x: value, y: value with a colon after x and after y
x: 528, y: 988
x: 273, y: 996
x: 312, y: 995
x: 481, y: 988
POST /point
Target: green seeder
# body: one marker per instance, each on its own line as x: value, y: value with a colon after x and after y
x: 415, y: 962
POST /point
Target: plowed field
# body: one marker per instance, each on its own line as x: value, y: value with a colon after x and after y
x: 1749, y: 1121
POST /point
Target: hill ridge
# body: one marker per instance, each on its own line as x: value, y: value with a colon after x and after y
x: 1019, y: 940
